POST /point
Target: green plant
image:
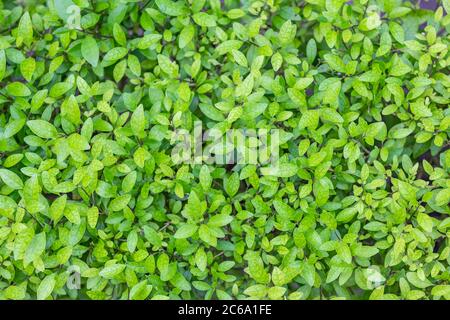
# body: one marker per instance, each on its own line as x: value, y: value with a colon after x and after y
x: 92, y: 91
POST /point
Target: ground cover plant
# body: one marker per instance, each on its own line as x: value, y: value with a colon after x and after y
x: 95, y: 205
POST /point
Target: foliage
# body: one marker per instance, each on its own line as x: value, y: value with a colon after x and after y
x: 357, y: 210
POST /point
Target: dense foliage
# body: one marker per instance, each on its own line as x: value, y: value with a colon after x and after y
x: 92, y: 204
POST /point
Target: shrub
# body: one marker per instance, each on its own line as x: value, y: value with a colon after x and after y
x: 350, y: 200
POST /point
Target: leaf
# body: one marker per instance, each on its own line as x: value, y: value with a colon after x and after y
x: 228, y: 46
x: 205, y: 177
x: 171, y: 8
x: 27, y: 68
x: 120, y: 202
x: 59, y: 89
x: 167, y: 66
x: 311, y: 50
x: 119, y: 36
x: 46, y: 287
x: 443, y: 197
x: 205, y: 234
x: 140, y: 291
x: 42, y: 129
x: 309, y: 119
x: 201, y: 259
x: 425, y: 222
x: 256, y: 268
x: 335, y: 62
x: 70, y: 110
x: 441, y: 290
x: 287, y: 33
x: 186, y: 36
x: 276, y: 61
x: 18, y: 89
x: 446, y: 4
x: 219, y: 220
x: 398, y: 68
x: 240, y: 58
x: 115, y: 54
x: 308, y: 273
x: 134, y: 65
x: 13, y: 127
x: 245, y: 87
x: 35, y: 249
x: 11, y: 179
x: 185, y: 231
x: 119, y: 70
x: 152, y: 236
x: 111, y: 271
x: 331, y: 115
x: 303, y: 83
x: 282, y: 170
x: 231, y: 184
x: 25, y: 30
x: 204, y: 20
x: 407, y: 191
x: 57, y: 208
x: 138, y: 121
x: 90, y: 51
x: 92, y: 216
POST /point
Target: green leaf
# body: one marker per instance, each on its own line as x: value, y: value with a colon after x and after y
x: 231, y: 184
x: 335, y: 62
x: 111, y: 271
x: 35, y: 249
x: 287, y: 33
x: 59, y: 89
x: 186, y: 36
x: 18, y: 89
x: 92, y: 216
x: 140, y: 291
x: 308, y: 273
x: 11, y: 179
x: 204, y: 20
x: 120, y: 202
x: 57, y: 208
x: 90, y: 51
x: 441, y: 290
x: 443, y: 197
x: 205, y: 234
x: 27, y: 68
x: 425, y: 222
x: 25, y: 30
x: 285, y: 170
x: 205, y: 177
x: 240, y: 58
x: 201, y: 259
x: 167, y: 66
x: 185, y: 231
x: 309, y: 119
x: 119, y: 36
x: 46, y: 287
x: 70, y: 110
x: 42, y: 129
x: 13, y: 127
x: 171, y: 8
x: 115, y: 54
x: 138, y: 121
